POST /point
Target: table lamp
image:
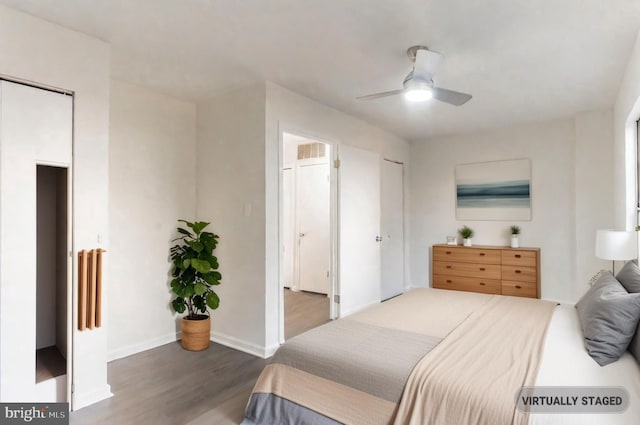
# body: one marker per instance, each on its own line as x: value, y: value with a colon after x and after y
x: 616, y: 245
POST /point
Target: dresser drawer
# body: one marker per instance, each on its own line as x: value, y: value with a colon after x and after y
x: 519, y: 289
x: 515, y: 257
x: 461, y: 283
x: 485, y: 271
x: 519, y: 274
x: 466, y: 255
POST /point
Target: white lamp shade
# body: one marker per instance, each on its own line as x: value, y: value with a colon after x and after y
x: 616, y: 245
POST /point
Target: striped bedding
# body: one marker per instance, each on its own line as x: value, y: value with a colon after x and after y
x: 427, y: 357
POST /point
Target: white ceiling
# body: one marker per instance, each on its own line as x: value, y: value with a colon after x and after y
x: 523, y: 60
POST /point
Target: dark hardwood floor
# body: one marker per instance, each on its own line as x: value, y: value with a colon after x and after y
x: 171, y: 386
x: 304, y: 311
x: 49, y: 363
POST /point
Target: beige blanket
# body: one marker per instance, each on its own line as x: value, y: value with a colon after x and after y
x: 473, y: 375
x: 354, y: 371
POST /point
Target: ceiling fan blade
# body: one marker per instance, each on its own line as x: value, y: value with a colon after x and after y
x: 379, y: 95
x: 450, y: 96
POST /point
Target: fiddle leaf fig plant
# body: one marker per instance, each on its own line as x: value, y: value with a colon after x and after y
x: 195, y: 270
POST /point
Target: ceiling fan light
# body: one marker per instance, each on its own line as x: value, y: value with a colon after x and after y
x: 418, y: 94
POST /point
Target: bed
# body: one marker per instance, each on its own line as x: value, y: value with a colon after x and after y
x: 434, y: 356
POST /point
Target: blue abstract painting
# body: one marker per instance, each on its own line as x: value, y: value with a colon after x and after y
x: 497, y: 190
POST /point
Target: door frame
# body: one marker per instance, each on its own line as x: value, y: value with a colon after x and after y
x: 333, y: 220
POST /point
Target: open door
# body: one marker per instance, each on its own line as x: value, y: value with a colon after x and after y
x: 358, y: 229
x: 392, y: 260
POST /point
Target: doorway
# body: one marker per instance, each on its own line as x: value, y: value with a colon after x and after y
x: 51, y: 272
x: 354, y: 227
x: 306, y: 232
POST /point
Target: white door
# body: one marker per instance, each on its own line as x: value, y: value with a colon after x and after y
x: 359, y: 229
x: 35, y: 128
x: 392, y: 261
x: 314, y: 252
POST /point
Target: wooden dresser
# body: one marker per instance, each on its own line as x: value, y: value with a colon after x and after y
x: 488, y: 269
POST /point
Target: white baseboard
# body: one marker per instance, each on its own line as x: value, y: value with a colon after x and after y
x: 138, y: 347
x: 347, y: 312
x: 85, y: 399
x: 220, y: 338
x: 244, y: 346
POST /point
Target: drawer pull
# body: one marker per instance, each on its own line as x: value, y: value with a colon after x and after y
x: 482, y: 269
x: 518, y: 287
x: 518, y: 271
x: 448, y: 252
x: 481, y: 283
x: 448, y: 267
x: 448, y: 280
x: 518, y: 256
x: 482, y: 254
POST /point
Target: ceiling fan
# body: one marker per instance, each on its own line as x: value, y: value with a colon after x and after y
x: 418, y: 84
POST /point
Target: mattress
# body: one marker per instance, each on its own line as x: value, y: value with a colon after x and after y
x: 565, y: 362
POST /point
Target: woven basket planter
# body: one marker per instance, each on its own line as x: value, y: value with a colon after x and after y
x: 196, y: 333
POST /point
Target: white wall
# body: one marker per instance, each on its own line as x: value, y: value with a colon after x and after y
x: 625, y: 113
x: 152, y: 161
x: 561, y: 154
x: 593, y: 195
x: 231, y: 195
x: 38, y: 51
x: 238, y: 177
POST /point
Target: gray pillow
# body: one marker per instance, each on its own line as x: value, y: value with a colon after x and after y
x: 609, y: 316
x: 629, y: 277
x: 634, y: 347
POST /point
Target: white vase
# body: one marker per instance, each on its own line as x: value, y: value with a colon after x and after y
x: 515, y: 243
x: 466, y: 241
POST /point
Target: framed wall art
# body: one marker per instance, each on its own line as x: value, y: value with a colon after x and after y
x: 496, y: 190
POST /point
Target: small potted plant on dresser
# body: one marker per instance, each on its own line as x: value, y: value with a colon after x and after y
x: 515, y: 232
x: 467, y: 233
x: 194, y: 273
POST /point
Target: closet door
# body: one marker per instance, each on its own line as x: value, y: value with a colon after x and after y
x: 359, y: 229
x: 35, y: 128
